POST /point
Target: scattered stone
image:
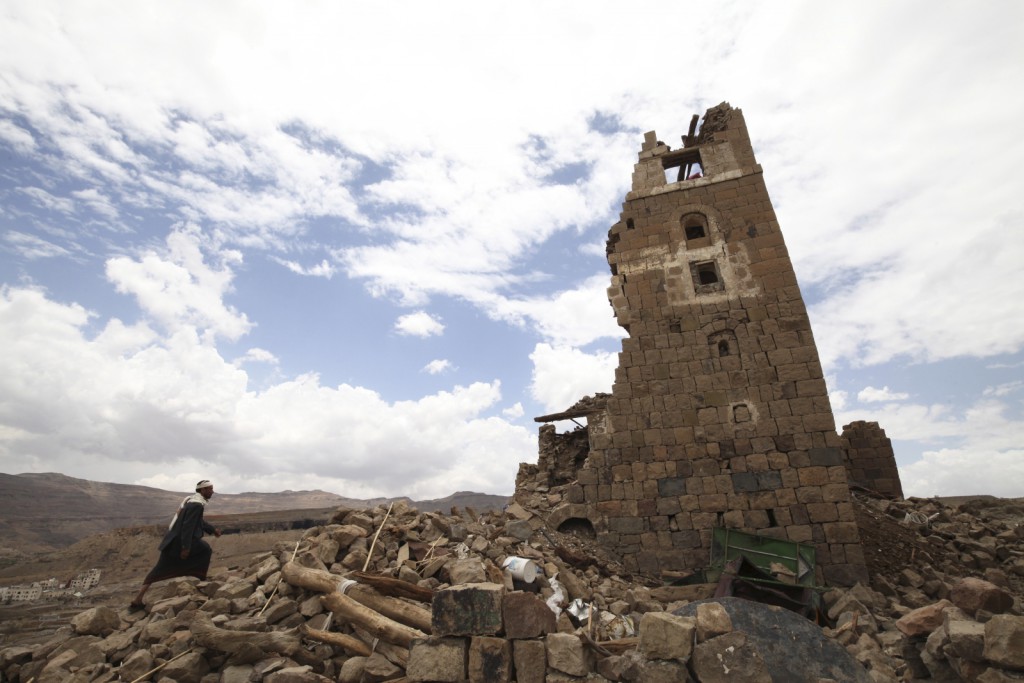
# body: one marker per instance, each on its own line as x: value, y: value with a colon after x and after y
x: 972, y: 594
x: 566, y: 653
x: 1004, y: 641
x: 98, y: 621
x: 667, y: 636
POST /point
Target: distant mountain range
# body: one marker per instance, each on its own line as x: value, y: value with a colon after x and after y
x: 51, y: 511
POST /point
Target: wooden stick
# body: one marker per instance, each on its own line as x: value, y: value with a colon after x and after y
x: 364, y: 617
x: 386, y: 585
x: 374, y: 543
x: 346, y: 642
x: 151, y: 671
x: 274, y: 592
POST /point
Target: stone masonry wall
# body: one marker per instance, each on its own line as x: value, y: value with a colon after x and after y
x: 870, y: 460
x: 719, y: 413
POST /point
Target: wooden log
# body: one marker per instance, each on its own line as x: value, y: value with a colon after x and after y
x: 393, y: 608
x: 364, y: 617
x: 325, y: 582
x: 396, y: 654
x: 346, y: 642
x: 223, y: 640
x: 385, y: 585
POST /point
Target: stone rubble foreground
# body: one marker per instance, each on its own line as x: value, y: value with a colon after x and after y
x: 950, y: 613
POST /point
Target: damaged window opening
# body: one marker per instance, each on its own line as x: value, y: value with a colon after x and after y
x: 682, y: 164
x: 707, y: 273
x: 629, y: 224
x: 771, y: 517
x: 579, y: 527
x: 723, y: 348
x: 706, y: 278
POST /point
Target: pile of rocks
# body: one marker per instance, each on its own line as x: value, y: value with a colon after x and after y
x: 402, y: 595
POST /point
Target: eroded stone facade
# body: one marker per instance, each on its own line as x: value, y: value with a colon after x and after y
x: 719, y: 414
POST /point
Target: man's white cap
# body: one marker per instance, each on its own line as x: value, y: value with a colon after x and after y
x: 203, y: 484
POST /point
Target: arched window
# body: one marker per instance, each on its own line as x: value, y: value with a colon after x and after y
x: 695, y: 228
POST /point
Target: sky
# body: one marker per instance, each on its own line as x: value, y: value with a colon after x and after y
x: 357, y: 247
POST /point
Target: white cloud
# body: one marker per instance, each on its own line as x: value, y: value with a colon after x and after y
x: 838, y: 399
x: 571, y: 317
x: 17, y: 137
x: 47, y: 200
x: 513, y: 412
x: 32, y: 247
x: 126, y: 405
x: 963, y: 472
x: 1004, y: 389
x: 873, y: 395
x: 976, y: 450
x: 323, y: 269
x: 437, y: 366
x: 563, y: 375
x: 256, y: 355
x: 419, y: 324
x: 179, y: 289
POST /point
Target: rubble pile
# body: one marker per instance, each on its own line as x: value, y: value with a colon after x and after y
x: 394, y: 594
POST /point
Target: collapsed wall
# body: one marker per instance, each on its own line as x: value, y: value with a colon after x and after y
x: 870, y: 460
x: 719, y: 414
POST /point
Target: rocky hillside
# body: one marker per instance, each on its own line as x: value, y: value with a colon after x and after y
x: 374, y: 595
x: 51, y: 511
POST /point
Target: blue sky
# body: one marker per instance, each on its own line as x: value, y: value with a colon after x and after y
x: 358, y: 246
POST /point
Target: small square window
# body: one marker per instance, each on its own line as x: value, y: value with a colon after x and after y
x: 706, y: 277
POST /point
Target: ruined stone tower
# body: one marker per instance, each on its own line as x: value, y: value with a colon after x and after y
x: 719, y: 414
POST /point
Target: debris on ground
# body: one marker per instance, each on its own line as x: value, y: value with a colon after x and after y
x: 395, y: 594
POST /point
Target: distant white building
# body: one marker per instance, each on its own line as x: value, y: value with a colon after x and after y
x: 85, y: 580
x: 25, y: 593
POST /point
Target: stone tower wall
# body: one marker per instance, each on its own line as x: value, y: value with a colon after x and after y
x: 719, y: 413
x: 870, y: 460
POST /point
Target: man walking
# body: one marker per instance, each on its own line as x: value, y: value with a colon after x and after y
x: 183, y: 552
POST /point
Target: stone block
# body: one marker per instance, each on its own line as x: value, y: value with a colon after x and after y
x: 966, y: 639
x: 98, y: 621
x: 813, y: 476
x: 712, y: 621
x: 437, y: 659
x: 972, y: 594
x: 530, y: 660
x: 468, y: 609
x: 467, y: 570
x: 490, y: 660
x: 667, y: 636
x: 526, y: 615
x: 1004, y: 641
x: 822, y: 512
x: 566, y: 653
x: 841, y: 532
x: 923, y: 620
